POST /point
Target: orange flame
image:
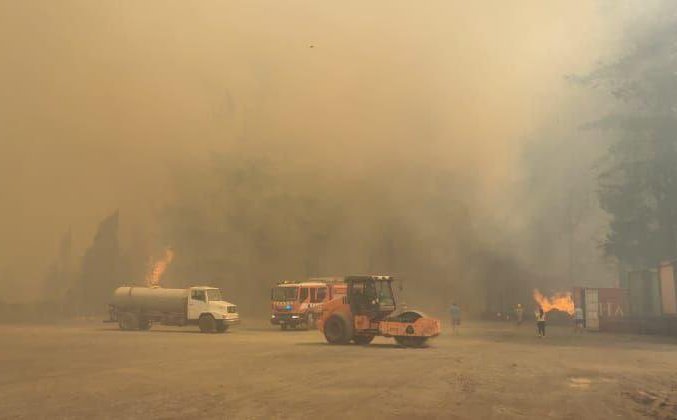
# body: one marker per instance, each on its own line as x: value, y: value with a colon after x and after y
x: 158, y: 268
x: 558, y: 302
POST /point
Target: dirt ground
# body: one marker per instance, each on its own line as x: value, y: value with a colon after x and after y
x: 92, y: 370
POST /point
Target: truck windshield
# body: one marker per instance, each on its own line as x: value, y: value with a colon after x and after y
x: 213, y: 295
x: 281, y: 294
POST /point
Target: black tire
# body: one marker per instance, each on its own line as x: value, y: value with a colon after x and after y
x: 145, y: 324
x: 363, y: 340
x: 338, y: 329
x: 207, y: 323
x: 128, y: 321
x: 284, y: 327
x: 221, y: 327
x: 415, y: 342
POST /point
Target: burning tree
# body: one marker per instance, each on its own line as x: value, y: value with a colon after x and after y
x: 562, y: 302
x: 158, y: 268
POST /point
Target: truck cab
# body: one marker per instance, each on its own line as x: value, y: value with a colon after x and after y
x: 206, y: 301
x: 295, y: 304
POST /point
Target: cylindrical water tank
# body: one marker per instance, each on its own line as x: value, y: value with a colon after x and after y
x: 150, y: 299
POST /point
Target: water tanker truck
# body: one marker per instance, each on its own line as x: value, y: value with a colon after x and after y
x: 137, y: 308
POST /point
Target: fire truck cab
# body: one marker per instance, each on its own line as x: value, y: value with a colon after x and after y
x: 299, y: 304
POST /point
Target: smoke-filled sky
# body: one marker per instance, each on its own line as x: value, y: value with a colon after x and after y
x: 99, y: 99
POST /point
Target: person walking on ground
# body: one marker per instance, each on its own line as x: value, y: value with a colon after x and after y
x: 540, y: 322
x: 519, y: 314
x: 455, y: 317
x: 578, y: 318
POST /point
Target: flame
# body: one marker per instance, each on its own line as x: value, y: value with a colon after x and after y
x: 559, y: 302
x: 158, y: 268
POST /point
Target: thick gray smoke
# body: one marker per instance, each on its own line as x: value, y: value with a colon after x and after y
x: 267, y: 140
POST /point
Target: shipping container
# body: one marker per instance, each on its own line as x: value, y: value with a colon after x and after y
x: 668, y: 288
x: 613, y: 303
x: 603, y: 308
x: 644, y: 293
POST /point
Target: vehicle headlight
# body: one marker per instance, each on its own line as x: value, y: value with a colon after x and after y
x: 294, y: 316
x: 272, y: 316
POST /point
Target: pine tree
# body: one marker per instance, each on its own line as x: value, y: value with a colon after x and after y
x: 101, y: 266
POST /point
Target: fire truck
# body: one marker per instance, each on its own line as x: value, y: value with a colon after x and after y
x: 297, y: 304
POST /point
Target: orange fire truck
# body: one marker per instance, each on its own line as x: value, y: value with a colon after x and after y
x: 299, y: 304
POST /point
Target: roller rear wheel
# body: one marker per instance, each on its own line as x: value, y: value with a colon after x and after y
x: 338, y: 330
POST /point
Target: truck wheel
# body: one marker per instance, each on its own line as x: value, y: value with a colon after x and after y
x: 128, y: 321
x: 207, y: 323
x: 363, y: 340
x: 221, y: 327
x: 338, y: 330
x: 416, y: 342
x: 145, y: 324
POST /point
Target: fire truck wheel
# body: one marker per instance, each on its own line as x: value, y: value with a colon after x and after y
x: 363, y: 340
x: 144, y: 324
x: 128, y: 321
x: 207, y: 323
x: 221, y: 327
x: 338, y: 330
x: 416, y: 342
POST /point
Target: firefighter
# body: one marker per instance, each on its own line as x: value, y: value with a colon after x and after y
x: 579, y: 319
x: 455, y: 311
x: 540, y: 322
x: 519, y: 314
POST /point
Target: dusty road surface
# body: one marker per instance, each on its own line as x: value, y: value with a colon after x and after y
x: 92, y: 370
